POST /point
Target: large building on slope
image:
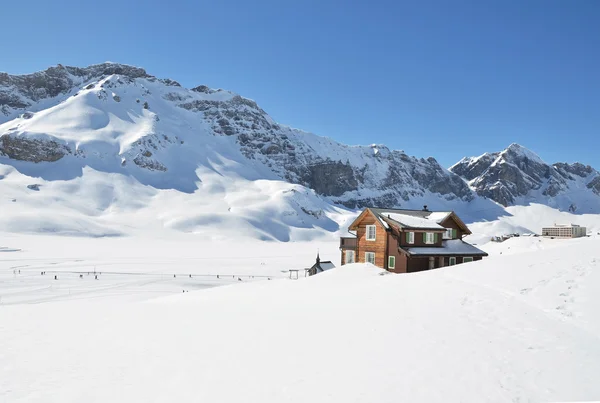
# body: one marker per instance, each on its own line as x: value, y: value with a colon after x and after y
x: 564, y: 231
x: 405, y: 241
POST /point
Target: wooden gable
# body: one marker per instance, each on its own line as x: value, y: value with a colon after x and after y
x: 364, y: 246
x: 457, y: 221
x: 367, y: 214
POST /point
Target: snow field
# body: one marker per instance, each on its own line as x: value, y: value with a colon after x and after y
x: 140, y: 268
x: 521, y: 327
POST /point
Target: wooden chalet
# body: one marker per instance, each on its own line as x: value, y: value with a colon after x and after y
x: 405, y: 241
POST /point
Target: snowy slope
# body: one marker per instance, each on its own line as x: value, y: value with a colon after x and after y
x: 109, y: 150
x: 518, y: 176
x: 521, y: 327
x: 118, y: 118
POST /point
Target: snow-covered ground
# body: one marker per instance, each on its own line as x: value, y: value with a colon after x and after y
x: 519, y: 326
x: 142, y: 267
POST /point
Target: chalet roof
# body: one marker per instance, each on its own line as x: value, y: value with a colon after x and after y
x: 327, y: 265
x: 449, y: 247
x: 323, y: 265
x: 412, y: 219
x: 409, y: 221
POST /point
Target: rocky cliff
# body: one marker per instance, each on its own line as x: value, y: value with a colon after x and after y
x: 516, y: 175
x: 109, y: 113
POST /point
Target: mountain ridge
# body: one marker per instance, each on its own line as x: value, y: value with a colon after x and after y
x: 344, y: 173
x: 517, y: 175
x: 116, y: 123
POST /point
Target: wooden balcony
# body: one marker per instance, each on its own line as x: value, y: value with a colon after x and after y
x: 348, y: 243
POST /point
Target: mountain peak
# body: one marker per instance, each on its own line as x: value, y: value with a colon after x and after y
x: 159, y: 132
x: 517, y: 175
x: 520, y: 151
x: 515, y: 147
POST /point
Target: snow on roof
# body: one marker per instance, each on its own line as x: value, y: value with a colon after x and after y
x: 449, y: 247
x: 439, y: 216
x: 411, y: 221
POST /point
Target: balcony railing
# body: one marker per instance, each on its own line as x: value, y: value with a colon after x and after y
x: 348, y: 243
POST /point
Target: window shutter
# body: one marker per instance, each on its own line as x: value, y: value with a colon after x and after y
x: 424, y: 237
x: 435, y: 237
x: 407, y: 237
x: 454, y: 234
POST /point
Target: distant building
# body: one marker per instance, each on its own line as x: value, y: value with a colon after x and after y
x: 564, y: 231
x: 320, y: 266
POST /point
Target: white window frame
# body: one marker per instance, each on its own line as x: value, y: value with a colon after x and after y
x: 349, y: 253
x: 391, y: 262
x: 411, y: 238
x: 448, y: 234
x: 429, y: 238
x: 367, y: 259
x: 374, y: 227
x: 450, y: 260
x: 467, y: 261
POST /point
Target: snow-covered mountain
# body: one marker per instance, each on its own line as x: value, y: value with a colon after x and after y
x: 108, y: 148
x: 191, y: 157
x: 518, y: 176
x: 115, y: 115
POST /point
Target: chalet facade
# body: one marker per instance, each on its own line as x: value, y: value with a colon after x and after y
x: 405, y: 241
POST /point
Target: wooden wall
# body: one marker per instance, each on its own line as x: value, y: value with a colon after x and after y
x: 450, y: 223
x: 377, y: 246
x: 419, y: 240
x: 401, y: 259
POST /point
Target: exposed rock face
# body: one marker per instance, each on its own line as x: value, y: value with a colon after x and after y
x: 331, y: 178
x: 518, y: 174
x: 32, y: 150
x: 203, y: 89
x: 595, y: 185
x: 145, y: 162
x: 354, y: 176
x: 355, y: 170
x: 19, y: 91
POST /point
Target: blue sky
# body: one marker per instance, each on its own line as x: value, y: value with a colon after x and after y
x: 434, y: 78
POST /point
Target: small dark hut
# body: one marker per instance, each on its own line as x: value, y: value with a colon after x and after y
x: 320, y: 266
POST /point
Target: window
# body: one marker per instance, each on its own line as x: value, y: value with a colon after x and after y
x: 371, y: 232
x: 410, y: 237
x: 452, y: 261
x: 449, y: 234
x: 370, y: 257
x: 392, y: 262
x: 429, y: 238
x: 349, y: 257
x: 467, y: 259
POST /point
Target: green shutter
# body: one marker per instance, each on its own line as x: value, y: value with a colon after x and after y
x: 424, y: 237
x: 435, y: 237
x: 407, y: 237
x: 454, y: 235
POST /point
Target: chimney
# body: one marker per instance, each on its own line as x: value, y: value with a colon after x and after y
x: 425, y: 208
